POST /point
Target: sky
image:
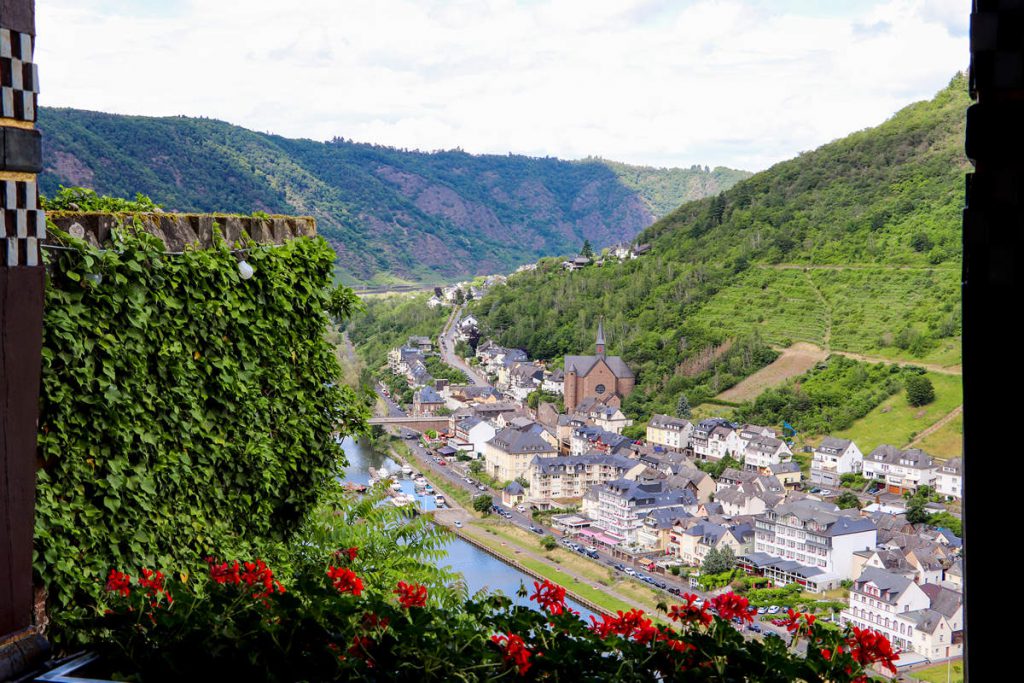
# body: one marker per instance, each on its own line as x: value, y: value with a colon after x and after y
x: 738, y: 83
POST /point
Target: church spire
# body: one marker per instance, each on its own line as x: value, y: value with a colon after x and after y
x: 600, y: 338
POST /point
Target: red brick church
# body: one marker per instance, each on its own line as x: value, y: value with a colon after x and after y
x: 606, y: 378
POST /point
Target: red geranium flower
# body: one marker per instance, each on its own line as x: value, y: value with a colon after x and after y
x: 692, y: 611
x: 800, y: 623
x: 411, y: 595
x: 868, y: 647
x: 258, y: 574
x: 730, y: 606
x: 345, y: 580
x: 514, y: 651
x: 224, y: 573
x: 549, y: 596
x: 119, y: 582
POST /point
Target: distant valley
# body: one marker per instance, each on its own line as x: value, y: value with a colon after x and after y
x: 393, y: 216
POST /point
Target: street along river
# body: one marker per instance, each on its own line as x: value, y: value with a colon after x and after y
x: 480, y: 570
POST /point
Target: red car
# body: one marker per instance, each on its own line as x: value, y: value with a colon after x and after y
x: 442, y: 463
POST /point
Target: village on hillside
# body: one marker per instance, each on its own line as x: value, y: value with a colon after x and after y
x: 550, y: 439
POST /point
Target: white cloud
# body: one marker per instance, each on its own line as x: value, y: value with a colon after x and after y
x: 726, y: 82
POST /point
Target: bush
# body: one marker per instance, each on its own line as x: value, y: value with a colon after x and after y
x: 548, y: 542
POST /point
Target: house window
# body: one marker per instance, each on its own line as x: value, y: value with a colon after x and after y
x: 599, y: 389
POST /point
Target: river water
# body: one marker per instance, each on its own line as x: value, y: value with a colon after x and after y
x: 480, y: 570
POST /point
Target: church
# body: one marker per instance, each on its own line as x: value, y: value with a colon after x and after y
x: 605, y: 378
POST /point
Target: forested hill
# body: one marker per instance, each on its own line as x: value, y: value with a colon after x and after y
x: 391, y: 214
x: 854, y: 246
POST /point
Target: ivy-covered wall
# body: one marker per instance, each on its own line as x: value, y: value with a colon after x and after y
x: 185, y: 411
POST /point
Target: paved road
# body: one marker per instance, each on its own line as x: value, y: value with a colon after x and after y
x: 446, y: 342
x: 394, y: 410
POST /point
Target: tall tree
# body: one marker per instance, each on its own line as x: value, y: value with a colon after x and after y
x: 683, y: 407
x: 587, y: 250
x: 920, y: 390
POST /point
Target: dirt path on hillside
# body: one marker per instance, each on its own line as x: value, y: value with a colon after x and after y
x: 941, y: 369
x: 936, y: 426
x: 826, y: 308
x: 843, y: 266
x: 795, y: 360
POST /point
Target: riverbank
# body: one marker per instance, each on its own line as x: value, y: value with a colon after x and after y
x: 579, y: 585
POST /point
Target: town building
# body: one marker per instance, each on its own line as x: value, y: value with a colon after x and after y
x: 809, y: 542
x: 572, y: 476
x: 619, y: 507
x: 598, y: 376
x: 509, y: 453
x: 715, y: 438
x: 761, y: 452
x: 925, y: 619
x: 471, y: 435
x: 834, y: 458
x: 949, y: 478
x: 671, y: 432
x: 426, y: 401
x: 901, y: 470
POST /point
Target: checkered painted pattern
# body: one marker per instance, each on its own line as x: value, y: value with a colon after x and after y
x: 19, y: 76
x: 24, y: 224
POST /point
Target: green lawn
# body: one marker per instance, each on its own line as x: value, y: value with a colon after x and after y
x: 939, y: 672
x: 894, y: 421
x: 947, y: 441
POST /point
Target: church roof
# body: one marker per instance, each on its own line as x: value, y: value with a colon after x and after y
x: 582, y: 365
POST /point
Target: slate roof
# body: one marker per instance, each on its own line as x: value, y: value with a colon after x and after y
x: 890, y: 585
x: 917, y: 458
x: 836, y: 522
x: 668, y: 422
x: 514, y: 489
x: 582, y: 365
x: 833, y: 446
x: 513, y: 440
x: 579, y: 463
x: 428, y: 395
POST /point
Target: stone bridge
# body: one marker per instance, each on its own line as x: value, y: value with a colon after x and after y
x: 416, y: 424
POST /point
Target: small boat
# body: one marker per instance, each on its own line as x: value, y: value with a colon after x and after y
x: 428, y: 488
x: 395, y: 486
x: 439, y: 501
x: 407, y: 470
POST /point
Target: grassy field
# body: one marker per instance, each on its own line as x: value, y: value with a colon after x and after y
x: 947, y: 441
x: 706, y: 410
x: 862, y: 310
x: 895, y: 422
x: 938, y: 673
x: 795, y: 360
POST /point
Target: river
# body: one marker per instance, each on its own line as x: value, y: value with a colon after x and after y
x: 480, y: 570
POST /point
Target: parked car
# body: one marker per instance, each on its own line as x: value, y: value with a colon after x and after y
x: 481, y: 487
x: 458, y: 524
x: 629, y: 571
x: 442, y: 463
x: 762, y: 610
x: 521, y: 508
x: 674, y: 591
x: 620, y: 567
x: 774, y: 609
x: 536, y: 530
x: 755, y: 628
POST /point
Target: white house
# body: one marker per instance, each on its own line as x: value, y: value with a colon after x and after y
x: 762, y: 452
x: 834, y: 458
x: 925, y: 619
x: 715, y: 438
x: 470, y: 436
x: 901, y: 470
x: 949, y: 478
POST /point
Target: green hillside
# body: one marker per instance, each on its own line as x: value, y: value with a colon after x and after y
x: 854, y: 246
x: 392, y: 215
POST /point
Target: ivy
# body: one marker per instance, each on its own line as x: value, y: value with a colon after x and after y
x: 183, y: 410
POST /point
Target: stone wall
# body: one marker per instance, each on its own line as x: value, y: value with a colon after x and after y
x: 182, y: 230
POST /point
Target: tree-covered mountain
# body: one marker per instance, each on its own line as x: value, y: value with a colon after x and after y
x: 390, y: 214
x: 854, y: 246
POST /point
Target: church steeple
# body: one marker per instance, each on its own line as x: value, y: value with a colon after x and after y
x: 600, y: 338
